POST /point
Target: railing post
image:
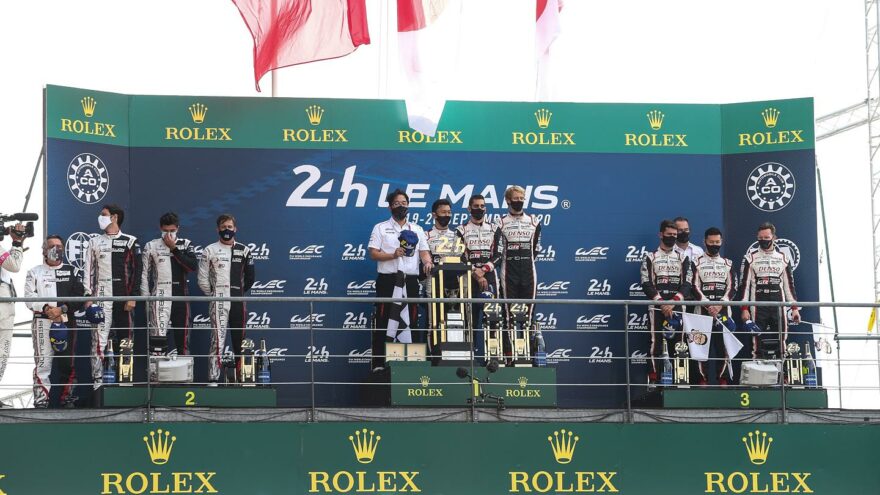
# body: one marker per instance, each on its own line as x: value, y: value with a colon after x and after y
x: 473, y: 358
x: 148, y: 417
x: 629, y: 414
x: 312, y: 351
x: 783, y: 322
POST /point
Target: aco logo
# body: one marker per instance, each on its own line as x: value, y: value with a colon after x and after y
x: 87, y: 178
x: 159, y: 445
x: 365, y: 444
x: 559, y: 480
x: 770, y: 186
x: 757, y: 447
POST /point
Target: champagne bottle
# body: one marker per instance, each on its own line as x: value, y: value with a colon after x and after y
x: 811, y: 378
x: 264, y: 372
x: 109, y: 364
x: 666, y: 374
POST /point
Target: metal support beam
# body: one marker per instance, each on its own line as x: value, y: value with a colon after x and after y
x: 872, y: 57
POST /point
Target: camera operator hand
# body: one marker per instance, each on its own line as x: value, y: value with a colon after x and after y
x: 18, y: 234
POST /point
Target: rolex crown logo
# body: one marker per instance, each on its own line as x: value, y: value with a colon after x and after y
x: 159, y: 446
x: 315, y: 113
x: 425, y: 380
x: 770, y: 116
x: 655, y: 118
x: 563, y: 445
x: 543, y: 117
x: 364, y: 446
x: 88, y: 105
x: 758, y: 447
x: 198, y: 111
x: 523, y: 381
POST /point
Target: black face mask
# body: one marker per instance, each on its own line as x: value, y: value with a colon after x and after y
x: 765, y: 243
x: 668, y: 240
x: 442, y: 221
x: 399, y: 212
x: 516, y: 205
x: 683, y: 237
x: 713, y: 250
x: 227, y: 234
x: 478, y: 214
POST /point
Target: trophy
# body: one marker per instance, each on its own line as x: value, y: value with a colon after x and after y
x: 519, y: 325
x: 109, y: 376
x: 493, y: 341
x: 682, y: 370
x: 264, y: 372
x: 126, y: 362
x: 248, y: 368
x: 794, y: 364
x: 450, y: 323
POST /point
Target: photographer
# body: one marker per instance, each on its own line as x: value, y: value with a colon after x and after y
x: 10, y: 262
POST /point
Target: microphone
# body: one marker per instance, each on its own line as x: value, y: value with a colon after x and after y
x: 20, y: 217
x: 462, y: 373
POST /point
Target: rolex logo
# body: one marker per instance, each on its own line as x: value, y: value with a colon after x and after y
x: 159, y: 447
x: 758, y: 447
x: 315, y: 113
x: 563, y: 446
x: 655, y: 119
x: 425, y: 380
x: 364, y: 446
x: 88, y: 105
x: 198, y: 111
x: 770, y: 116
x: 523, y: 381
x: 543, y: 117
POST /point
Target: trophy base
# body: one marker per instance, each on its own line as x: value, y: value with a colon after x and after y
x: 522, y: 363
x: 452, y: 354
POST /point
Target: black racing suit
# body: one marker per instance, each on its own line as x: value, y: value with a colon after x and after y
x: 165, y: 274
x: 54, y: 284
x: 112, y: 267
x: 665, y: 276
x: 714, y: 281
x: 518, y: 238
x: 767, y: 276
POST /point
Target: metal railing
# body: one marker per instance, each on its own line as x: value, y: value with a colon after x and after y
x: 833, y: 364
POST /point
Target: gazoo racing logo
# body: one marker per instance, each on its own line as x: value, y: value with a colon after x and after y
x: 355, y: 320
x: 314, y: 191
x: 593, y: 322
x: 269, y: 287
x: 316, y: 287
x: 159, y: 445
x: 546, y: 254
x: 558, y: 479
x: 198, y: 112
x: 770, y: 116
x: 786, y: 247
x: 635, y: 290
x: 552, y: 289
x: 591, y: 254
x: 655, y: 139
x: 313, y: 320
x: 770, y: 186
x: 365, y: 288
x: 354, y: 253
x: 546, y: 321
x: 310, y: 252
x: 635, y: 254
x: 87, y: 178
x: 259, y: 251
x: 361, y: 479
x: 259, y: 320
x: 314, y: 133
x: 75, y: 248
x: 757, y: 446
x: 598, y: 287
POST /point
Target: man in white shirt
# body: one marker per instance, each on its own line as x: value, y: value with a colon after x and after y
x: 390, y: 257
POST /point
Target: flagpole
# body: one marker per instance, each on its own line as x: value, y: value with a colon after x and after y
x: 274, y: 85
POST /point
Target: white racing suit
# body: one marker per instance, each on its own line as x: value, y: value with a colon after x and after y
x: 165, y: 274
x: 10, y: 262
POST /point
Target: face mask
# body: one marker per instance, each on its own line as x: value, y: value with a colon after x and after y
x: 54, y: 254
x: 442, y: 221
x: 713, y: 250
x: 399, y: 212
x: 478, y: 214
x: 227, y: 234
x: 683, y: 237
x: 104, y: 222
x: 171, y: 235
x: 516, y: 205
x: 668, y: 240
x: 765, y: 243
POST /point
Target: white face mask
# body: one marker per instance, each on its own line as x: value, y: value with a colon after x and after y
x: 104, y: 222
x: 171, y: 235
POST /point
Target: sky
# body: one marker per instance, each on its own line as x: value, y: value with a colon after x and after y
x: 676, y: 51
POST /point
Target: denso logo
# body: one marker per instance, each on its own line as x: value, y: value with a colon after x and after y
x: 314, y: 192
x: 259, y: 251
x: 354, y: 253
x: 635, y: 254
x: 257, y: 320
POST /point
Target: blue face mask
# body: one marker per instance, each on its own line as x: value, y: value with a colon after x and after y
x: 227, y: 234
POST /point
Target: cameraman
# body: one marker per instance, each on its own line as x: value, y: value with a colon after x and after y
x: 10, y: 262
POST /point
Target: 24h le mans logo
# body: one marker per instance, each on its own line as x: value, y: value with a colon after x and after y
x: 770, y: 186
x: 87, y: 178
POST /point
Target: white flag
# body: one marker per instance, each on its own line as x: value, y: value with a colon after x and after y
x: 698, y: 329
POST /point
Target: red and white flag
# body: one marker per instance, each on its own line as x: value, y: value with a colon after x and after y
x: 291, y: 32
x: 428, y: 32
x: 547, y: 28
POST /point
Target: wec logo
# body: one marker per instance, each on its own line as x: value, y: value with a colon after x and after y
x: 314, y: 192
x: 364, y: 288
x: 593, y: 254
x: 585, y: 322
x: 272, y: 284
x: 307, y: 321
x: 310, y: 252
x: 553, y: 288
x: 559, y: 356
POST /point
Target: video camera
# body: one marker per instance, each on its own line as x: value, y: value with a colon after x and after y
x: 28, y: 231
